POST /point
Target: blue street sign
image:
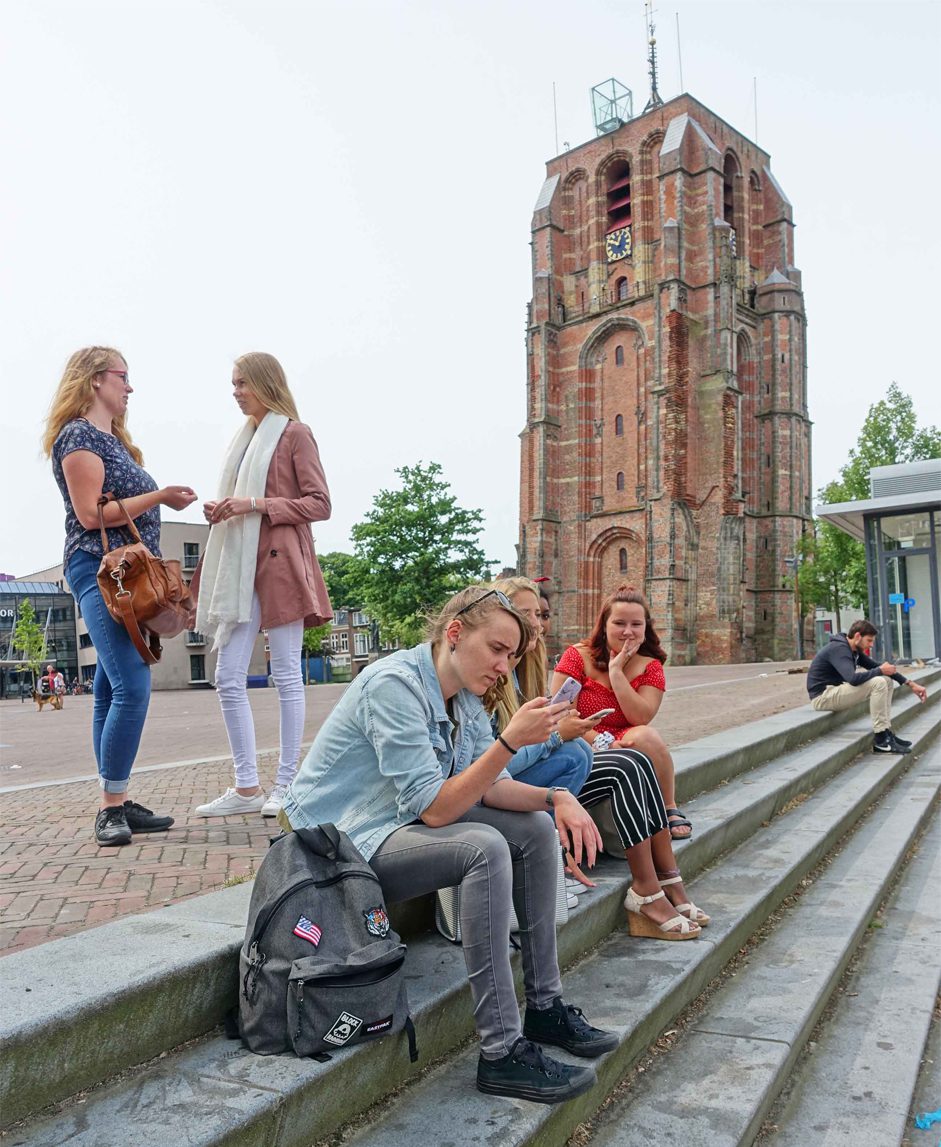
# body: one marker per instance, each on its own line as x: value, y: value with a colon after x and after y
x: 896, y: 598
x: 908, y: 604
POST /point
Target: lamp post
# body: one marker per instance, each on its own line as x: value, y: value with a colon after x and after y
x: 793, y: 564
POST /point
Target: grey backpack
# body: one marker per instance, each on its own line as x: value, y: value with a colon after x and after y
x: 320, y: 968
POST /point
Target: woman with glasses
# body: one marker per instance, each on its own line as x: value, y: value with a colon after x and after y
x: 260, y: 570
x: 406, y: 764
x: 92, y: 453
x: 620, y: 668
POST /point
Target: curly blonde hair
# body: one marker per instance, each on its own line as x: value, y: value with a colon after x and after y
x: 75, y: 394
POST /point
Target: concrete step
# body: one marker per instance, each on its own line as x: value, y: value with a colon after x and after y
x: 718, y: 1082
x: 867, y: 1055
x: 659, y: 980
x: 217, y: 1093
x: 707, y: 762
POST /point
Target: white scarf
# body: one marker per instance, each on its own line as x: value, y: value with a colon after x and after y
x: 227, y: 580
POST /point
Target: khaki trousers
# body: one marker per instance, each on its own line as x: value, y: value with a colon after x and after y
x: 879, y: 691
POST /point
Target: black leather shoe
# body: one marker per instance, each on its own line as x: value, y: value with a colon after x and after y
x: 140, y: 819
x: 111, y: 827
x: 528, y: 1073
x: 564, y: 1026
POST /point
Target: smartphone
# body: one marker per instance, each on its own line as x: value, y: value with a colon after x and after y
x: 600, y: 715
x: 568, y: 691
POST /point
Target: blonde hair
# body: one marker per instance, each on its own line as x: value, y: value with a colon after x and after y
x: 76, y: 393
x: 267, y: 381
x: 533, y: 669
x: 473, y: 618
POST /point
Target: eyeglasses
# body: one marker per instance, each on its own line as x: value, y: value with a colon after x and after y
x: 122, y: 374
x: 498, y: 594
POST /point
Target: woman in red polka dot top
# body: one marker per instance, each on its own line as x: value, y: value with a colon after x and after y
x: 620, y: 667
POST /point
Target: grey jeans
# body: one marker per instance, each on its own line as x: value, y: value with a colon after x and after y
x: 495, y: 856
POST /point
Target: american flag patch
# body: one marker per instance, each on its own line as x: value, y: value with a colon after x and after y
x: 307, y: 930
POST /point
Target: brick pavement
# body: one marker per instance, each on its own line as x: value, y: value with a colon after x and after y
x: 54, y: 879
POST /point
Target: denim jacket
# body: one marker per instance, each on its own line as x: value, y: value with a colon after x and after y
x: 384, y: 752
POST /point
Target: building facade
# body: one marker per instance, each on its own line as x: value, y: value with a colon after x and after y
x: 667, y: 442
x: 187, y: 661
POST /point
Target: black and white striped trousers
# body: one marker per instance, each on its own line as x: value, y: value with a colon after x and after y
x: 626, y: 777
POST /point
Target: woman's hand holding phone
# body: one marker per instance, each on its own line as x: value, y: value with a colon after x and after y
x: 534, y: 722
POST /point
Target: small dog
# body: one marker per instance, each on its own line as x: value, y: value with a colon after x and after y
x: 42, y: 699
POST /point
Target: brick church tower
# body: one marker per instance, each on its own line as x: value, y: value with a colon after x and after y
x: 667, y: 442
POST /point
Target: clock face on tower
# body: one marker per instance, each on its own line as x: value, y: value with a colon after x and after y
x: 617, y: 244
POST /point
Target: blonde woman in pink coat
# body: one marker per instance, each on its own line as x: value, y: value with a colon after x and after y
x: 260, y: 570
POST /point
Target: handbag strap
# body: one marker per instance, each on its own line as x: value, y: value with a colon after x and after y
x: 102, y: 502
x: 151, y: 653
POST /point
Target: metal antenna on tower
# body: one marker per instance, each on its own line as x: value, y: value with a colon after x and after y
x: 655, y: 101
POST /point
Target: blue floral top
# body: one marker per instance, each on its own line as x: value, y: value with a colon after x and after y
x: 123, y: 478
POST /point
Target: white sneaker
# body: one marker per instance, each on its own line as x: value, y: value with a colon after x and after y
x: 231, y: 804
x: 575, y: 887
x: 272, y: 805
x: 571, y: 901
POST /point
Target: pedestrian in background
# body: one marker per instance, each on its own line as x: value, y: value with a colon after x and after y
x: 92, y: 453
x: 260, y: 569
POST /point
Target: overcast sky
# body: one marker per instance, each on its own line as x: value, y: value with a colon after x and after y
x: 350, y: 186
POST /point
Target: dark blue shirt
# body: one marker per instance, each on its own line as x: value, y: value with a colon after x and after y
x: 123, y: 478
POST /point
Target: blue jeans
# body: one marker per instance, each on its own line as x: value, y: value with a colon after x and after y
x: 567, y: 765
x: 122, y: 680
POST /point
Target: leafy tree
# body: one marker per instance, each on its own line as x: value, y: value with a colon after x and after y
x: 29, y: 640
x: 416, y: 548
x: 313, y: 639
x: 834, y: 572
x: 343, y: 575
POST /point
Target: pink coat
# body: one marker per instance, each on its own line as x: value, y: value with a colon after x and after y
x: 288, y: 580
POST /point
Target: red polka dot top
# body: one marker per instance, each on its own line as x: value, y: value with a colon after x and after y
x: 595, y: 696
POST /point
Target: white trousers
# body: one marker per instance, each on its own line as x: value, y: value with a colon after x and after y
x: 231, y: 685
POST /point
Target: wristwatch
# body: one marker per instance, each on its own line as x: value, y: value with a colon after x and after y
x: 550, y: 794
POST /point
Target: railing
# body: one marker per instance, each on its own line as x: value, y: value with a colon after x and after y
x: 194, y: 638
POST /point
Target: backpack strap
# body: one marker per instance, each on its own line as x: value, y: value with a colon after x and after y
x: 412, y: 1042
x: 324, y: 840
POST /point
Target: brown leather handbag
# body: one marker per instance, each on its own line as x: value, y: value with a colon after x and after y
x: 145, y: 594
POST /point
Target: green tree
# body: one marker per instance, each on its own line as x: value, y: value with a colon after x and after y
x: 342, y: 574
x: 29, y: 640
x: 833, y: 572
x: 416, y: 547
x: 313, y: 639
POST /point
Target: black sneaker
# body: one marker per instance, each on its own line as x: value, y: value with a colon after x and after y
x: 563, y: 1025
x: 140, y: 819
x: 884, y: 742
x: 899, y: 745
x: 111, y: 826
x: 899, y: 740
x: 528, y: 1073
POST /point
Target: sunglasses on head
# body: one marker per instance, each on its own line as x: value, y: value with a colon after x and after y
x: 498, y: 594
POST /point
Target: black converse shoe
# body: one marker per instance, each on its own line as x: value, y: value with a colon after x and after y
x: 111, y: 827
x: 140, y: 819
x: 564, y: 1026
x: 528, y: 1073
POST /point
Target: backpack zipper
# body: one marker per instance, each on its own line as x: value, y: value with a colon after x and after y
x: 386, y: 973
x: 261, y: 926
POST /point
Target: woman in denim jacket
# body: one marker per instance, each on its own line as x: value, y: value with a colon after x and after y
x: 407, y: 766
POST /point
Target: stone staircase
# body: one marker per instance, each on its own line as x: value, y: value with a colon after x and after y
x: 817, y: 860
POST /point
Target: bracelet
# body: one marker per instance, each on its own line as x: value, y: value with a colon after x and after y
x: 253, y: 505
x: 508, y: 748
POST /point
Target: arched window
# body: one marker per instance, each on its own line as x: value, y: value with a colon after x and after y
x: 618, y: 200
x: 622, y: 560
x: 730, y: 171
x: 619, y: 356
x: 619, y: 480
x: 619, y: 425
x: 621, y: 289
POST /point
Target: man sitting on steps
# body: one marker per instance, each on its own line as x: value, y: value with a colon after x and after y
x: 843, y: 674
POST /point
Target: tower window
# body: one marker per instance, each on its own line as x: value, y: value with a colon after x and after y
x: 619, y: 425
x: 619, y: 356
x: 619, y: 480
x: 621, y: 289
x: 622, y: 560
x: 618, y: 200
